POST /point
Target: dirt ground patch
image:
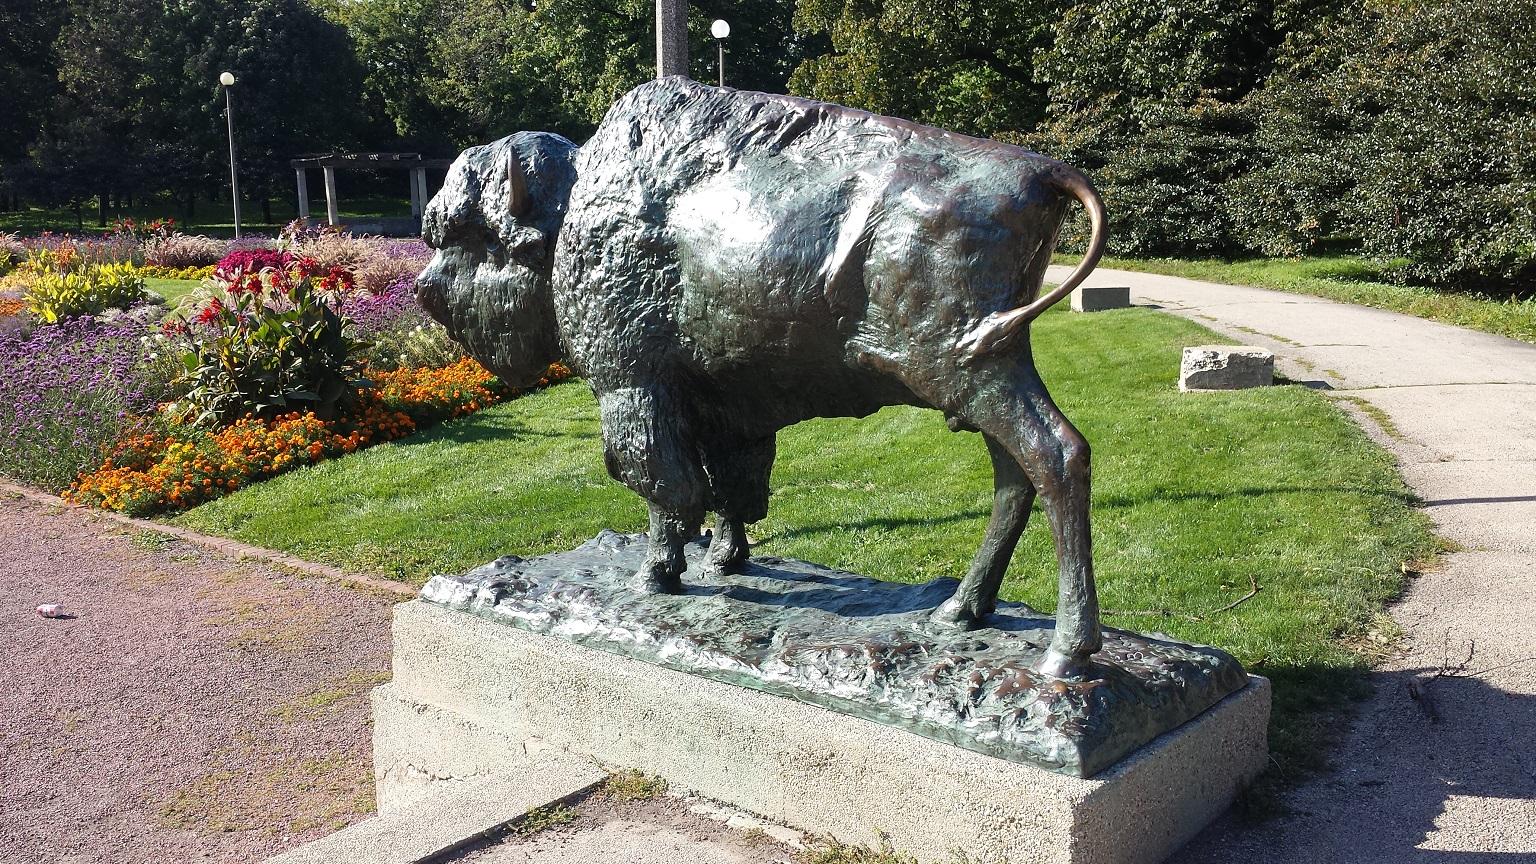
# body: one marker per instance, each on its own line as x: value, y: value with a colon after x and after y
x: 197, y: 708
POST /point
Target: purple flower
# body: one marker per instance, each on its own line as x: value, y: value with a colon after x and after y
x: 70, y: 391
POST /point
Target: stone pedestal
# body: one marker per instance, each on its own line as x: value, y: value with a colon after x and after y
x: 474, y: 697
x: 1226, y: 367
x: 1101, y: 297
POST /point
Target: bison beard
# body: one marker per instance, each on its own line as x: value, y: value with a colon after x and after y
x: 731, y: 263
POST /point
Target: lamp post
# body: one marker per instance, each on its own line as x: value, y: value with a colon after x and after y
x: 226, y: 81
x: 720, y: 30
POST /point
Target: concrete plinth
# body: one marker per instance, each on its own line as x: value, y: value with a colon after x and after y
x: 1226, y: 367
x: 472, y: 697
x: 1100, y: 297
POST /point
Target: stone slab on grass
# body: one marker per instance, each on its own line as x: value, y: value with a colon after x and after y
x: 1226, y: 367
x: 1097, y: 298
x: 472, y: 696
x: 451, y: 813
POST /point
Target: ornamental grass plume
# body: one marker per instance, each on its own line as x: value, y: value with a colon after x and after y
x: 182, y: 251
x: 392, y: 262
x: 337, y: 249
x: 70, y: 391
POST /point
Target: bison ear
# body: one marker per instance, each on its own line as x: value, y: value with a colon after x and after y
x: 517, y: 185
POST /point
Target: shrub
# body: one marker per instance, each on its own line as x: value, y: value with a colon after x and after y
x: 336, y: 249
x: 266, y: 344
x: 247, y: 261
x: 179, y: 251
x: 392, y: 262
x: 90, y: 290
x: 1446, y: 163
x: 70, y: 391
x: 398, y: 331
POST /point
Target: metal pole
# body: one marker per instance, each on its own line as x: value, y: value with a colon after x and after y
x: 234, y: 174
x: 671, y: 37
x: 720, y: 44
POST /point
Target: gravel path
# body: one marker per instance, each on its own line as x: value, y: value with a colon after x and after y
x: 1439, y: 766
x: 197, y: 709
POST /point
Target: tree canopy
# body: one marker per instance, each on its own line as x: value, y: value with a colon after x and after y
x: 1214, y: 127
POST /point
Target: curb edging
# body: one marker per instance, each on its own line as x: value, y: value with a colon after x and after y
x: 221, y: 545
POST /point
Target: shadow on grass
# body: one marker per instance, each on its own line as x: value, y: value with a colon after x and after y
x: 476, y: 429
x: 892, y: 523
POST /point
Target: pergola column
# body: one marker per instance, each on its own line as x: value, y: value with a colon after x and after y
x: 303, y: 176
x: 418, y: 178
x: 332, y: 216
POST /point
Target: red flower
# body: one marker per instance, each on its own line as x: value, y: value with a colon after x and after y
x: 210, y: 312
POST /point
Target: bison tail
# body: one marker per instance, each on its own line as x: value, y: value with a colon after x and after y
x: 994, y: 331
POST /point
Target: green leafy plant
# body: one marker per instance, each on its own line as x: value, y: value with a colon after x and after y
x: 90, y: 290
x: 266, y: 344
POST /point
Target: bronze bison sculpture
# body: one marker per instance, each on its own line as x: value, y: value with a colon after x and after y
x: 720, y: 264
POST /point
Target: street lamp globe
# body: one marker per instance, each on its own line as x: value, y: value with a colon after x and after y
x: 227, y: 79
x: 719, y: 29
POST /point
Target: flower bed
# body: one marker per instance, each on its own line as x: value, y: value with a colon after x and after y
x: 193, y: 274
x: 184, y: 464
x: 277, y: 361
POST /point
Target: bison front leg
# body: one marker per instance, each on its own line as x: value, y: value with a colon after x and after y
x: 648, y: 448
x: 738, y: 472
x: 977, y: 595
x: 664, y: 562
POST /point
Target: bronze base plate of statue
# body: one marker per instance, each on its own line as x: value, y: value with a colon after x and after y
x: 858, y: 646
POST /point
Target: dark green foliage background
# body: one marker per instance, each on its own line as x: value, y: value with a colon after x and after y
x: 1405, y: 129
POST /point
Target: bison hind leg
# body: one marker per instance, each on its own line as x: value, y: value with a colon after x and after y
x: 976, y: 597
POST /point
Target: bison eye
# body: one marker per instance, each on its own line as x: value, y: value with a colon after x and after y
x: 529, y: 244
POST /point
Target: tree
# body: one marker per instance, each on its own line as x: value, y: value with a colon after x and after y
x: 967, y: 65
x: 1445, y: 159
x: 139, y: 108
x: 296, y: 90
x: 450, y: 73
x: 1145, y: 95
x: 28, y: 79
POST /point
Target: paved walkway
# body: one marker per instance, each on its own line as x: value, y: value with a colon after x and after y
x: 1436, y: 768
x: 196, y: 708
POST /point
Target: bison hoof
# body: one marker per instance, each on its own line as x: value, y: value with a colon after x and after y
x: 721, y: 562
x: 956, y: 614
x: 655, y: 579
x: 1056, y: 664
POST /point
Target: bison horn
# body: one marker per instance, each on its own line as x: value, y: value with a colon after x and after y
x: 517, y: 185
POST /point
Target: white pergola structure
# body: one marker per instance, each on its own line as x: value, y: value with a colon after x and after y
x: 413, y: 163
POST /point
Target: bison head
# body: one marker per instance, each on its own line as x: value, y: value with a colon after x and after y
x: 494, y: 225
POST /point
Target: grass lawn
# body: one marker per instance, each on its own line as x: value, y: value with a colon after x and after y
x: 171, y: 289
x: 1353, y: 280
x: 1194, y: 494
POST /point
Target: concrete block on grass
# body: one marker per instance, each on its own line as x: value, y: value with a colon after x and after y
x: 1100, y: 297
x: 1226, y: 367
